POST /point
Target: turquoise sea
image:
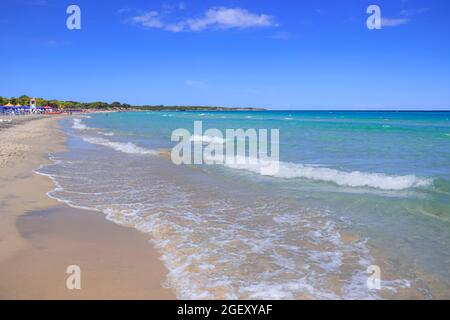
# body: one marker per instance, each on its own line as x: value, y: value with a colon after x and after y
x: 354, y: 189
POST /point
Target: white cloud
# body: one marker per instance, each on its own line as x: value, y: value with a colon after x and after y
x: 174, y: 27
x: 406, y: 17
x: 217, y: 17
x: 167, y: 8
x: 394, y: 22
x: 150, y: 20
x: 229, y: 18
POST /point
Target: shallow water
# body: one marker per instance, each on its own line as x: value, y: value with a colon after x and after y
x: 354, y: 189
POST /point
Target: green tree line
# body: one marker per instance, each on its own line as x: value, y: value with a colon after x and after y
x: 24, y: 100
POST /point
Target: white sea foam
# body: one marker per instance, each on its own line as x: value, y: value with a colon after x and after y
x: 381, y: 181
x: 78, y: 124
x: 219, y: 246
x: 208, y: 139
x: 203, y: 241
x: 125, y: 147
x: 107, y: 134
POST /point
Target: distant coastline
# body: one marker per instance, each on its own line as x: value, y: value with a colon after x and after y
x: 114, y: 106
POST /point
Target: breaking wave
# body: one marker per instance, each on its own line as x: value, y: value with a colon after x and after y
x: 208, y: 139
x: 125, y: 147
x: 288, y: 170
x: 78, y: 124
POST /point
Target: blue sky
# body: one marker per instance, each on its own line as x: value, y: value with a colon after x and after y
x: 287, y: 54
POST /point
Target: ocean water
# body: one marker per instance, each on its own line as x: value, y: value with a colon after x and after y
x: 354, y: 189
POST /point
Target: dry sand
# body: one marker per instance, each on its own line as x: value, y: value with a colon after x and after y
x: 40, y: 238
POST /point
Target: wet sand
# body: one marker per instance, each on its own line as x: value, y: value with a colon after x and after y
x: 40, y: 238
x: 115, y: 262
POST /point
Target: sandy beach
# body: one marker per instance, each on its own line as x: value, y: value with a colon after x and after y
x: 40, y: 237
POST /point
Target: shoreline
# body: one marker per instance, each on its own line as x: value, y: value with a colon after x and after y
x: 40, y: 237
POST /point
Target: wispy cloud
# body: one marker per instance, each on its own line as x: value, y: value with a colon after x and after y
x: 171, y: 7
x: 149, y: 20
x: 216, y: 17
x: 394, y: 22
x: 229, y: 18
x: 406, y: 17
